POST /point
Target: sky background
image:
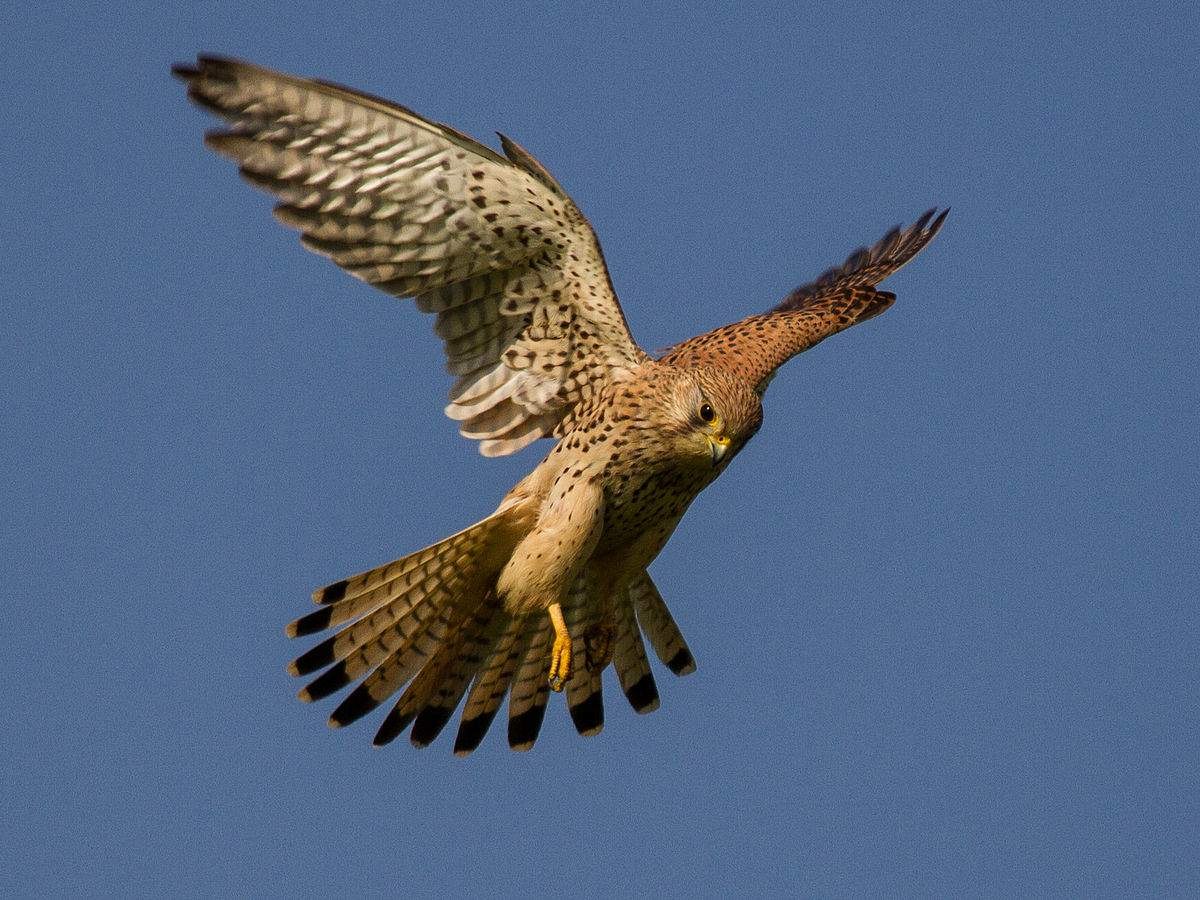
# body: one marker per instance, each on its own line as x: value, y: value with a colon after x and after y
x: 944, y: 605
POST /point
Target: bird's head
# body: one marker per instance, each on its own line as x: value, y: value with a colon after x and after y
x: 713, y: 415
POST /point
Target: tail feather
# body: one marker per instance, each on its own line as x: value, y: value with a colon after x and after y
x: 432, y: 670
x: 431, y: 624
x: 490, y: 685
x: 630, y: 662
x: 365, y: 642
x: 407, y: 587
x: 390, y: 643
x: 400, y: 585
x: 462, y: 660
x: 398, y: 615
x: 585, y: 701
x: 530, y: 691
x: 656, y: 621
x: 372, y: 579
x: 396, y: 670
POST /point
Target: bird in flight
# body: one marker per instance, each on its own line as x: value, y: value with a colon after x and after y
x: 551, y: 588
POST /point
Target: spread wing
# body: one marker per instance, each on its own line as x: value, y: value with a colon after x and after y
x: 757, y: 346
x: 492, y: 245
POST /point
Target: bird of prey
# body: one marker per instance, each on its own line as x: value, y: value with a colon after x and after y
x: 550, y: 589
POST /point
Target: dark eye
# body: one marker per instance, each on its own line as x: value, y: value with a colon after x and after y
x: 706, y: 413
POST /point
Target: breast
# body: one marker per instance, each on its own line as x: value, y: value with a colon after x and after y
x: 647, y: 503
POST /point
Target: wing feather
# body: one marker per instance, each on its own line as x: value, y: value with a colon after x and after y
x: 755, y: 347
x: 490, y: 243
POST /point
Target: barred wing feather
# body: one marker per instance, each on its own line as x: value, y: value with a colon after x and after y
x: 490, y: 244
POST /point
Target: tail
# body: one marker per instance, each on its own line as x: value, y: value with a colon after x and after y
x: 403, y: 619
x: 518, y: 665
x: 432, y: 621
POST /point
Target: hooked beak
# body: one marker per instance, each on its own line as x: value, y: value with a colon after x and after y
x: 718, y: 445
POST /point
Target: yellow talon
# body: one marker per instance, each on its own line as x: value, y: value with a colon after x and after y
x: 560, y: 653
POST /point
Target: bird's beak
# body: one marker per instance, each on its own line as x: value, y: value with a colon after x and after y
x: 718, y: 445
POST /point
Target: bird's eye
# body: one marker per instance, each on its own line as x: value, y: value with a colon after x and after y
x: 706, y: 413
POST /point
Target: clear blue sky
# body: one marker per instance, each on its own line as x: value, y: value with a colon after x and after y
x: 944, y: 606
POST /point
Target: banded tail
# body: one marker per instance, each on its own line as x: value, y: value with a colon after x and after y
x: 431, y: 624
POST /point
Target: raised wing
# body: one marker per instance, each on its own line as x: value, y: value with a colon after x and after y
x: 492, y: 245
x: 757, y: 346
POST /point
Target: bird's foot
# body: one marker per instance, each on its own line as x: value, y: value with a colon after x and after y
x: 560, y: 653
x: 598, y: 646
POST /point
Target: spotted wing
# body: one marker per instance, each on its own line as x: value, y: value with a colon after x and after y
x: 757, y: 346
x: 490, y: 244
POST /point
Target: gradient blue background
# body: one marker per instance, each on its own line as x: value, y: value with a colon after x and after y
x: 944, y: 606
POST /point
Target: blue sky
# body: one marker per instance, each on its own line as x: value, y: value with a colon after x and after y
x: 944, y: 605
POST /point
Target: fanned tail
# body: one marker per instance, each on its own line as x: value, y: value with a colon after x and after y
x: 519, y: 662
x: 430, y: 627
x: 401, y: 618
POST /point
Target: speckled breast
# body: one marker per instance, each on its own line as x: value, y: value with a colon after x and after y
x: 649, y: 501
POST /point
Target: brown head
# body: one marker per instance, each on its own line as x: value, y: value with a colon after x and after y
x: 708, y: 415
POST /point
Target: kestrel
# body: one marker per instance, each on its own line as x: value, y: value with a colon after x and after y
x: 551, y: 588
